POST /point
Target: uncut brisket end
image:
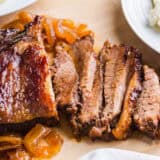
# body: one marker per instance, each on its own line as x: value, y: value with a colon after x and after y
x: 26, y: 91
x: 147, y: 111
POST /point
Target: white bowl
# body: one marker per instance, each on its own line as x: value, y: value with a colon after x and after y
x: 9, y: 6
x: 137, y: 13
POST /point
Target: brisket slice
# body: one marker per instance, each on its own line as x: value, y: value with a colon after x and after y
x: 89, y: 89
x: 147, y: 111
x: 123, y: 127
x: 118, y: 67
x: 25, y: 79
x: 116, y: 70
x: 65, y: 77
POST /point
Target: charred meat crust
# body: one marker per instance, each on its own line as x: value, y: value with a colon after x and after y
x: 6, y: 35
x: 25, y: 81
x: 9, y: 37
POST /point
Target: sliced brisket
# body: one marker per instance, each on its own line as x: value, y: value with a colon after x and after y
x: 90, y: 86
x: 134, y: 89
x: 147, y: 111
x: 65, y: 77
x: 118, y: 67
x: 101, y: 94
x: 118, y: 62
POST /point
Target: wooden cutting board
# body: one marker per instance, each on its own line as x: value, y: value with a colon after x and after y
x: 105, y: 17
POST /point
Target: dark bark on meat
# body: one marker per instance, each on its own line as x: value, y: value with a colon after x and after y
x: 26, y: 91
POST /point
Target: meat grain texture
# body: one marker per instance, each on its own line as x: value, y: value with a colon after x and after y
x: 104, y: 95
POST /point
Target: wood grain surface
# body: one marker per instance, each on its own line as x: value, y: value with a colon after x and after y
x: 105, y: 17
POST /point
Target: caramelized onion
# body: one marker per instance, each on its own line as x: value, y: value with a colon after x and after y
x: 49, y: 34
x: 61, y: 29
x: 64, y: 30
x: 17, y: 24
x: 24, y: 17
x: 43, y: 142
x: 10, y: 142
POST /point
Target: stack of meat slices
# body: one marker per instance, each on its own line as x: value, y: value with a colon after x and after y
x: 78, y: 83
x: 105, y: 95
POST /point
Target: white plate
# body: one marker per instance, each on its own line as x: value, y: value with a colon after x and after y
x: 117, y: 154
x: 136, y: 13
x: 9, y: 6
